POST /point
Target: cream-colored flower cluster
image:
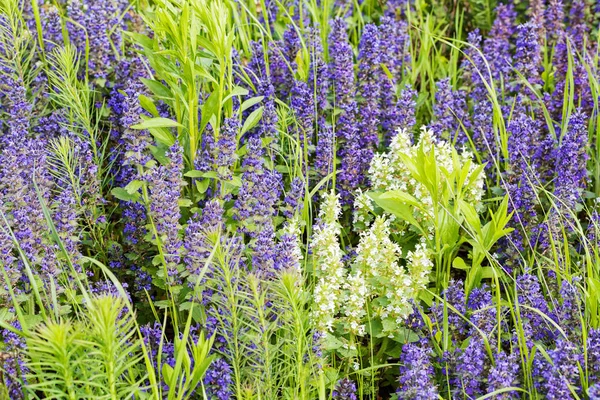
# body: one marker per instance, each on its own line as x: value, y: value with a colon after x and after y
x: 389, y: 171
x: 382, y: 279
x: 329, y: 268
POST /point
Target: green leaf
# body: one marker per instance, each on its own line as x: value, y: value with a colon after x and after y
x: 185, y: 203
x: 202, y: 185
x: 236, y: 91
x: 124, y: 195
x: 194, y: 174
x: 252, y: 120
x: 395, y: 205
x: 250, y: 102
x: 209, y: 108
x: 459, y: 263
x: 157, y: 88
x: 148, y: 105
x: 133, y: 186
x: 157, y: 123
x: 167, y: 372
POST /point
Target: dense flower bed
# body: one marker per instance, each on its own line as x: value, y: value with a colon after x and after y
x: 349, y: 200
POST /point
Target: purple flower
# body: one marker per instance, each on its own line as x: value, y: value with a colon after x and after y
x: 406, y: 107
x: 554, y: 20
x: 165, y: 183
x: 369, y: 89
x: 504, y: 374
x: 294, y: 198
x: 342, y: 66
x: 594, y: 392
x: 264, y: 252
x: 282, y: 57
x: 345, y: 389
x: 319, y: 71
x: 529, y: 295
x: 416, y: 373
x: 497, y: 45
x: 528, y: 55
x: 218, y: 380
x: 197, y: 243
x: 224, y: 152
x: 569, y: 312
x: 563, y: 372
x: 65, y: 219
x: 394, y: 54
x: 470, y: 369
x: 353, y: 163
x: 255, y: 204
x: 302, y: 103
x: 450, y: 113
x: 577, y: 27
x: 571, y: 159
x: 484, y: 311
x: 14, y: 369
x: 593, y: 353
x: 286, y: 253
x: 52, y: 28
x: 454, y: 296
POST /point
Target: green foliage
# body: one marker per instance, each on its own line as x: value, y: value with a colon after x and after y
x: 89, y: 358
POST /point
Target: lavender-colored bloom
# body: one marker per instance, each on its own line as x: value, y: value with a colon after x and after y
x: 224, y: 152
x: 563, y: 372
x: 454, y: 296
x: 197, y: 243
x: 529, y: 294
x: 287, y: 253
x: 282, y: 57
x: 484, y: 312
x: 260, y: 189
x: 303, y: 105
x: 537, y: 14
x: 76, y: 25
x: 65, y: 219
x: 497, y: 45
x: 522, y: 176
x: 577, y: 27
x: 52, y: 28
x: 416, y: 373
x: 345, y: 389
x: 394, y: 54
x: 97, y: 23
x: 325, y: 157
x: 406, y: 107
x: 369, y: 89
x: 218, y: 380
x: 528, y: 55
x: 554, y: 21
x: 319, y: 71
x: 565, y: 58
x: 257, y: 70
x: 294, y: 198
x: 342, y: 65
x: 450, y: 113
x: 594, y: 392
x: 135, y: 141
x: 470, y: 369
x: 593, y: 353
x: 165, y: 183
x: 342, y: 78
x: 569, y: 312
x: 571, y: 159
x: 264, y: 252
x: 504, y: 374
x: 14, y: 369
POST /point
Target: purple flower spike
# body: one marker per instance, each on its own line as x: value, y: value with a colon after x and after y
x: 416, y: 373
